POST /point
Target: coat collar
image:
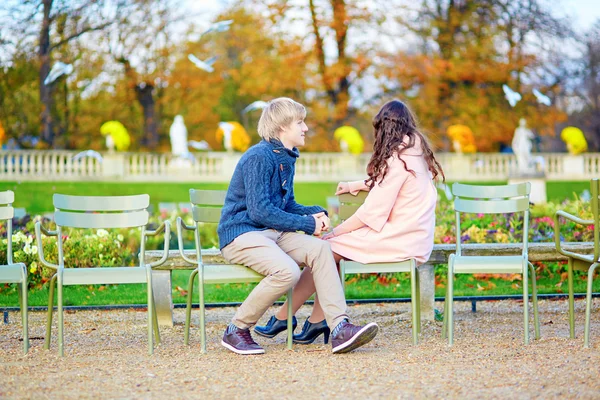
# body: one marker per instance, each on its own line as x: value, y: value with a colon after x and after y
x: 286, y: 159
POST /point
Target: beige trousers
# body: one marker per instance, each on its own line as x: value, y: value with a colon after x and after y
x: 277, y: 256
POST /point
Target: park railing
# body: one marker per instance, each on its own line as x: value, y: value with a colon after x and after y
x: 60, y: 165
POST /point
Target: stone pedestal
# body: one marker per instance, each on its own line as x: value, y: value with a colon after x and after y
x: 538, y: 185
x: 113, y: 165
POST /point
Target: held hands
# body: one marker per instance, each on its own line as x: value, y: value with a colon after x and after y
x: 328, y: 235
x: 342, y: 187
x: 322, y: 223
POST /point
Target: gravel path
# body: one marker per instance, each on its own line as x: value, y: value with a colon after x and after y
x: 106, y: 358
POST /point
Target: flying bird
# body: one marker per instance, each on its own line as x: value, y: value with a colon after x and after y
x: 257, y: 105
x: 88, y: 153
x: 512, y: 96
x: 205, y: 65
x: 57, y: 70
x: 542, y: 98
x: 220, y: 26
x: 202, y: 145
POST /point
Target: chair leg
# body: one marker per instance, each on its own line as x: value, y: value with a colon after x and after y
x: 418, y: 299
x: 571, y: 300
x: 450, y: 301
x: 526, y: 305
x: 150, y: 314
x: 49, y: 313
x: 445, y: 319
x: 588, y: 305
x: 290, y: 316
x: 536, y: 315
x: 202, y: 307
x: 24, y: 315
x: 61, y: 325
x: 413, y: 302
x: 188, y: 308
x: 155, y: 322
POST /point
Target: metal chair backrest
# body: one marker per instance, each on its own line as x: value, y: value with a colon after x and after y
x: 207, y: 205
x: 595, y: 203
x: 101, y: 211
x: 6, y: 209
x: 350, y: 203
x: 501, y: 199
x: 6, y: 214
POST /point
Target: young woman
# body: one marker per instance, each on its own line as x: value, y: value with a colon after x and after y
x: 396, y: 221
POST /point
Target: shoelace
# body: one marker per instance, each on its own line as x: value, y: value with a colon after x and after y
x: 245, y: 335
x: 338, y: 327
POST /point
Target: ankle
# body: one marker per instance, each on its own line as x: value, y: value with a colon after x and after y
x: 314, y: 320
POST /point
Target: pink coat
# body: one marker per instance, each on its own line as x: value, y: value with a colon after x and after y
x: 399, y: 215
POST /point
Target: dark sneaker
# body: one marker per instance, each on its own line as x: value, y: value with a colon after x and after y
x: 347, y: 337
x: 240, y: 341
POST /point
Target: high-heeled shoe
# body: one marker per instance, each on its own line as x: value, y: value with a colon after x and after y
x: 274, y: 326
x: 312, y: 331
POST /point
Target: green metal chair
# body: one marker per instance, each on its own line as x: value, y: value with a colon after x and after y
x: 95, y: 212
x: 491, y: 200
x: 206, y: 208
x: 14, y: 272
x: 348, y: 206
x: 582, y: 262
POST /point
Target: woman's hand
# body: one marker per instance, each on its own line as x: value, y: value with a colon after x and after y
x: 328, y: 235
x: 342, y: 187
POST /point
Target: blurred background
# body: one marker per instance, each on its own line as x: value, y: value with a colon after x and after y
x: 67, y: 67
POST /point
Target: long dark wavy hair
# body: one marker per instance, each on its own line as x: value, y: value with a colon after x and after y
x: 391, y: 125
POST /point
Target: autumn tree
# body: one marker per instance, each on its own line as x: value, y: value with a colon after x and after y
x: 55, y: 23
x: 252, y: 63
x: 141, y: 42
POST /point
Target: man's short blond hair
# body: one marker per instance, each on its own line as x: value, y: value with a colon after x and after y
x: 277, y: 114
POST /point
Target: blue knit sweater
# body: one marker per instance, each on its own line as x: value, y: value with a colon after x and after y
x: 261, y: 194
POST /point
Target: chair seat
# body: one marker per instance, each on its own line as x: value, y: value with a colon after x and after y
x: 13, y: 273
x: 104, y: 275
x: 491, y: 264
x: 353, y: 267
x: 230, y: 273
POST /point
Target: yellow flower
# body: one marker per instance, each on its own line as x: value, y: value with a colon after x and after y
x: 119, y: 134
x: 575, y: 140
x: 240, y: 140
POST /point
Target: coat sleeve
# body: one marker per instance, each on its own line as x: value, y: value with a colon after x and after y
x: 357, y: 186
x: 378, y: 205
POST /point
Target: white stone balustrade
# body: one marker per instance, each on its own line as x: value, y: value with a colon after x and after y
x: 58, y: 165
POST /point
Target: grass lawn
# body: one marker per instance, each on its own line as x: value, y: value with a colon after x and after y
x: 36, y: 197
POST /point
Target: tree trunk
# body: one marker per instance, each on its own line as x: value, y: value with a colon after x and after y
x: 146, y: 99
x: 45, y: 91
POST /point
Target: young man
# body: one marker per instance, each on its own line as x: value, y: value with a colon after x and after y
x: 259, y: 228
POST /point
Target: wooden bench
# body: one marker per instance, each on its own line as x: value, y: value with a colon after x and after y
x: 161, y: 278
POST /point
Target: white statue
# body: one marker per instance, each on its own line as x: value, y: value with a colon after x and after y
x: 178, y: 134
x: 521, y: 146
x: 227, y: 130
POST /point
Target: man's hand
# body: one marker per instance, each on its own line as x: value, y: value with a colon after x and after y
x: 318, y: 224
x: 324, y: 220
x: 342, y: 187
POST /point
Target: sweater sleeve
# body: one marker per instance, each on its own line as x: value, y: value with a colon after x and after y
x: 260, y: 209
x: 378, y: 205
